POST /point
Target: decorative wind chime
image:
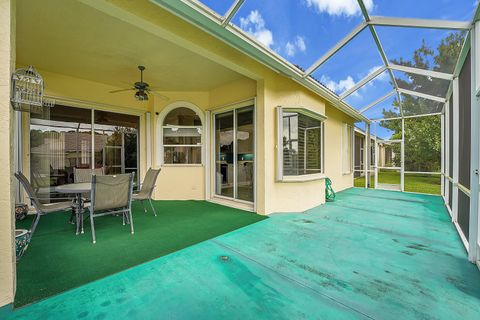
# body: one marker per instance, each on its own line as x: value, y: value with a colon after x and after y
x: 28, y: 91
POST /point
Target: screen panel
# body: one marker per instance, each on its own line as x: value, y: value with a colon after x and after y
x: 450, y: 138
x: 464, y: 124
x: 450, y: 195
x: 423, y: 144
x: 463, y: 212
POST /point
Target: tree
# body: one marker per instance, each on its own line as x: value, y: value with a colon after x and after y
x: 422, y: 135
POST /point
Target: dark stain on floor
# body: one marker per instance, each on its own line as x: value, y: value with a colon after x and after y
x: 304, y: 221
x: 421, y: 247
x: 327, y: 279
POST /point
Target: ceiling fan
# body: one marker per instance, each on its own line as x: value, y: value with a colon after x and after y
x: 142, y: 88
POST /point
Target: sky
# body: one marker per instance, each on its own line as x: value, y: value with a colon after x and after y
x: 301, y: 31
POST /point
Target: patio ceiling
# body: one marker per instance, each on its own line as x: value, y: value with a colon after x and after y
x: 242, y: 19
x: 74, y: 39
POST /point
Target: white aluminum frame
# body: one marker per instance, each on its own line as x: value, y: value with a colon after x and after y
x: 368, y: 151
x: 446, y: 155
x: 456, y: 141
x: 419, y: 23
x: 148, y: 139
x: 181, y: 8
x: 379, y: 100
x: 409, y: 117
x: 442, y: 155
x: 231, y: 12
x: 363, y: 82
x: 474, y: 223
x: 422, y: 95
x: 349, y: 37
x: 422, y: 72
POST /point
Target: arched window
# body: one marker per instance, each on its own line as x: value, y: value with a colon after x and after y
x: 182, y: 137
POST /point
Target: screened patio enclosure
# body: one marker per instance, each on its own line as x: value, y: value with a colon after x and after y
x: 422, y: 119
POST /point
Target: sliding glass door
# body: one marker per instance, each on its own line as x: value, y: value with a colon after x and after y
x: 61, y: 139
x: 235, y: 154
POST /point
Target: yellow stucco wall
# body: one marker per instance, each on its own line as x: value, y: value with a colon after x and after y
x: 298, y: 196
x: 179, y: 182
x: 186, y: 182
x: 175, y: 182
x: 272, y: 89
x: 334, y: 148
x: 7, y: 64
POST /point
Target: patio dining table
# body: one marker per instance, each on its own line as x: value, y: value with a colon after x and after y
x: 78, y: 189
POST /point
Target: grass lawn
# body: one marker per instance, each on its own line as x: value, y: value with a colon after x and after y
x: 58, y: 260
x: 414, y: 182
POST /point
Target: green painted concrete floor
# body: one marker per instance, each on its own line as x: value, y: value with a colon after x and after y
x: 57, y: 260
x: 370, y: 254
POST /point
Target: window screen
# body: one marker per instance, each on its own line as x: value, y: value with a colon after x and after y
x: 450, y: 137
x: 450, y: 195
x: 301, y: 141
x: 464, y: 124
x: 182, y: 137
x: 463, y: 212
x: 464, y: 145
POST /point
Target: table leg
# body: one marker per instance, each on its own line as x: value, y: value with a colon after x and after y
x: 81, y: 216
x: 78, y: 214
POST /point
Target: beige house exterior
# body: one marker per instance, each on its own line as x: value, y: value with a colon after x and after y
x: 84, y: 49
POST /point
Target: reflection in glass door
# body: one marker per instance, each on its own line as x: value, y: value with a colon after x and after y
x: 224, y: 150
x: 61, y: 140
x: 116, y: 142
x: 235, y: 154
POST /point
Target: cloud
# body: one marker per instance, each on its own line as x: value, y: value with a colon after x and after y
x: 290, y: 49
x: 255, y: 25
x: 339, y: 7
x: 339, y: 86
x: 298, y: 44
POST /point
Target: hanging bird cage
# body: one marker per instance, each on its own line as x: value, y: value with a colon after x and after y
x: 28, y: 90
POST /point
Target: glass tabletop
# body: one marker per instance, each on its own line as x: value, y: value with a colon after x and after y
x: 75, y: 187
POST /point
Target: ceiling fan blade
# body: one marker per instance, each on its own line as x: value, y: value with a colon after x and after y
x: 121, y: 90
x: 158, y: 94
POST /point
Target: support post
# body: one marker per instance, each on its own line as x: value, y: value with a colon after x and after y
x: 367, y: 155
x: 402, y: 158
x: 148, y: 140
x: 455, y: 135
x: 442, y: 153
x: 7, y: 183
x: 376, y: 155
x: 448, y: 174
x: 473, y: 239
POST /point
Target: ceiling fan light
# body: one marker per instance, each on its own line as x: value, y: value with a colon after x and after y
x: 141, y: 96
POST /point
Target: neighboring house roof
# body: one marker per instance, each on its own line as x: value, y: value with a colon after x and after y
x: 362, y: 132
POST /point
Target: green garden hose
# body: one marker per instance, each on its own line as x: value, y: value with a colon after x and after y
x: 329, y: 193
